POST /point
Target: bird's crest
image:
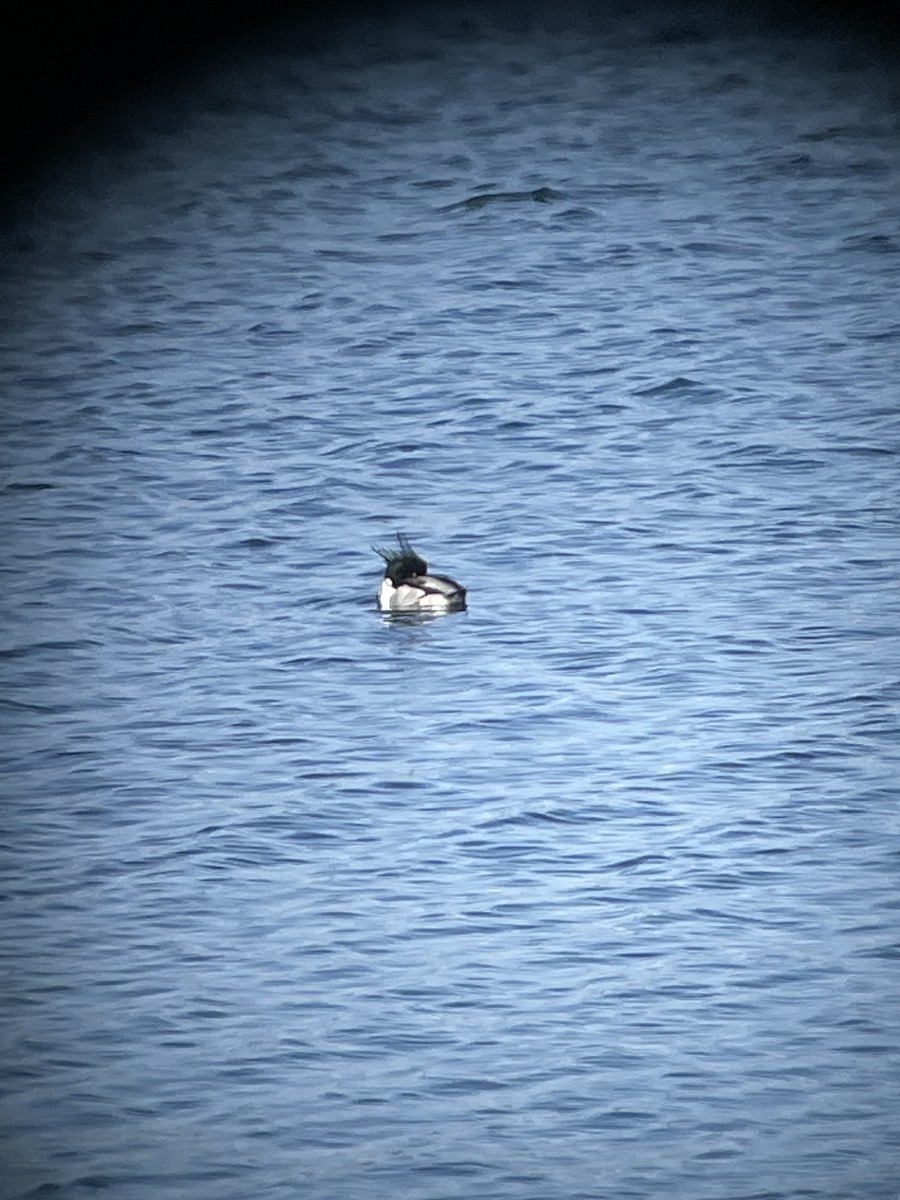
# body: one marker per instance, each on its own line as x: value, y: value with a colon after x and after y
x: 402, y: 563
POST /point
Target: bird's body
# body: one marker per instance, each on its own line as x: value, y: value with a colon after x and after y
x: 543, y: 195
x: 407, y: 586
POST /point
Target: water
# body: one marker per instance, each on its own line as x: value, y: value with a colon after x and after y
x: 589, y: 892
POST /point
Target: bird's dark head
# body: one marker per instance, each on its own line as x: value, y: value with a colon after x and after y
x: 402, y: 563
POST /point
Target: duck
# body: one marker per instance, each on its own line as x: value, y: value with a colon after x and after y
x: 407, y: 586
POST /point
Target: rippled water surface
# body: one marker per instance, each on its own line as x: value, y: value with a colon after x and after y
x: 588, y: 893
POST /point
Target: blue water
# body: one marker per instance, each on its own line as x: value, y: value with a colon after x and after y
x: 588, y: 893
